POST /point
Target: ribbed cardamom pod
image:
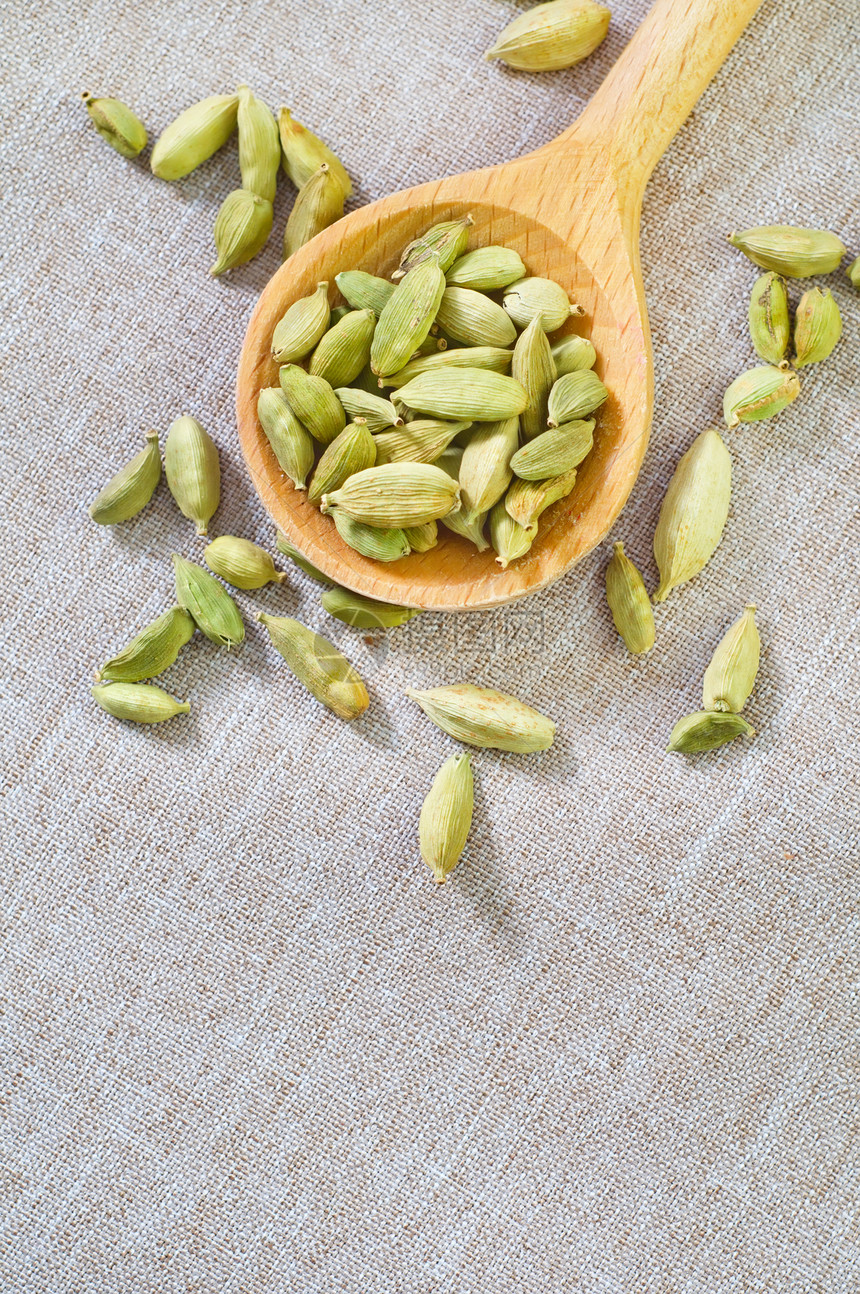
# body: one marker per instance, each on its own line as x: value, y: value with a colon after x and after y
x: 534, y: 298
x: 549, y: 36
x: 350, y: 452
x: 629, y: 603
x: 460, y: 393
x: 242, y: 226
x: 572, y: 354
x: 853, y: 272
x: 760, y: 393
x: 555, y: 452
x: 338, y: 313
x: 304, y: 153
x: 526, y: 501
x: 510, y: 540
x: 481, y: 716
x: 365, y: 613
x: 193, y: 472
x: 138, y: 702
x: 195, y: 135
x: 707, y: 729
x: 378, y: 545
x: 301, y: 326
x: 313, y: 402
x: 318, y: 205
x: 117, y: 124
x: 731, y: 675
x: 407, y: 317
x: 291, y: 442
x: 319, y: 666
x: 131, y: 488
x: 241, y: 563
x: 284, y: 546
x: 343, y: 351
x: 422, y: 538
x: 575, y: 396
x: 152, y: 651
x: 396, y: 495
x: 534, y: 368
x: 468, y: 525
x: 817, y: 327
x: 208, y: 603
x: 364, y: 291
x: 443, y: 244
x: 259, y: 146
x: 493, y: 358
x: 486, y: 269
x: 420, y: 441
x: 794, y: 252
x: 474, y: 319
x: 485, y: 472
x: 379, y: 414
x: 694, y: 512
x: 768, y: 318
x: 446, y: 816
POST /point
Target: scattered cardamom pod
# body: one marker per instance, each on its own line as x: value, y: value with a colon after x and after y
x: 208, y: 603
x: 364, y: 291
x: 291, y: 442
x: 301, y: 327
x: 138, y: 702
x: 474, y: 319
x: 407, y: 317
x: 629, y: 603
x: 534, y: 368
x: 194, y: 136
x: 575, y: 396
x: 481, y: 716
x: 304, y: 153
x: 485, y: 471
x: 372, y: 542
x: 319, y: 666
x: 446, y: 816
x: 694, y: 512
x: 318, y: 205
x: 817, y: 327
x: 486, y: 269
x: 760, y: 393
x: 284, y: 546
x: 365, y: 613
x: 131, y: 488
x: 468, y: 525
x: 344, y: 350
x: 152, y: 651
x: 789, y: 250
x: 731, y: 675
x: 443, y: 244
x: 242, y: 226
x: 396, y: 495
x: 313, y: 402
x: 572, y: 354
x: 534, y: 298
x: 117, y: 124
x: 853, y: 272
x: 241, y: 563
x: 350, y: 452
x: 510, y: 540
x: 526, y: 501
x: 464, y: 393
x: 550, y: 36
x: 554, y: 452
x: 259, y: 146
x: 420, y: 441
x: 379, y: 414
x: 707, y: 729
x: 422, y: 538
x: 768, y: 318
x: 193, y: 472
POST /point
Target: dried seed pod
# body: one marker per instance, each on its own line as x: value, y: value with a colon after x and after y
x: 301, y: 327
x: 116, y: 124
x: 706, y: 730
x: 790, y: 250
x: 420, y: 441
x: 575, y: 396
x: 194, y: 136
x: 242, y: 226
x: 443, y: 244
x: 481, y: 716
x: 407, y: 317
x: 304, y: 153
x: 534, y: 367
x: 396, y: 495
x: 629, y: 603
x: 422, y: 538
x: 364, y: 291
x: 694, y: 512
x: 509, y: 539
x: 446, y: 816
x: 768, y: 318
x: 464, y: 393
x: 526, y: 501
x: 193, y: 471
x: 486, y: 269
x: 572, y: 354
x: 241, y: 563
x: 543, y: 299
x: 817, y: 327
x: 259, y: 146
x: 319, y: 666
x: 760, y: 393
x: 469, y: 526
x: 350, y: 452
x: 131, y: 488
x: 291, y: 442
x: 474, y: 319
x: 344, y: 350
x: 853, y: 272
x: 549, y: 36
x: 318, y: 205
x: 284, y: 546
x: 731, y: 675
x: 208, y: 603
x: 313, y: 402
x: 379, y: 414
x: 138, y: 702
x: 365, y: 613
x: 372, y: 542
x: 485, y: 471
x: 152, y: 651
x: 554, y: 452
x: 495, y: 359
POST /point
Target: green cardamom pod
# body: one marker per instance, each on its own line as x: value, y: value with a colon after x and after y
x: 379, y: 414
x: 194, y: 136
x: 344, y: 350
x: 443, y: 244
x: 364, y: 291
x: 131, y: 488
x: 138, y: 702
x: 193, y: 472
x: 629, y: 603
x: 446, y: 816
x: 318, y: 205
x: 259, y: 146
x: 422, y: 538
x: 304, y: 153
x: 694, y: 512
x: 575, y: 396
x: 554, y: 452
x: 152, y: 651
x: 485, y: 471
x: 534, y: 298
x: 768, y: 318
x: 493, y: 358
x: 461, y: 393
x: 338, y: 313
x: 241, y: 563
x: 526, y: 501
x: 481, y: 716
x: 350, y: 452
x: 572, y: 354
x: 534, y: 367
x: 291, y: 442
x: 376, y: 544
x: 510, y: 540
x: 760, y: 393
x: 468, y: 525
x: 407, y: 317
x: 396, y: 495
x: 319, y: 666
x: 208, y: 603
x: 553, y: 35
x: 313, y: 402
x: 853, y: 272
x: 731, y: 675
x: 486, y: 269
x: 474, y: 319
x: 284, y: 546
x: 817, y: 327
x: 365, y: 613
x: 707, y: 729
x: 301, y: 327
x: 793, y: 252
x: 420, y: 441
x: 242, y: 226
x: 117, y: 124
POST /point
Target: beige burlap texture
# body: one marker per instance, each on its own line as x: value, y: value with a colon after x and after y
x: 246, y: 1044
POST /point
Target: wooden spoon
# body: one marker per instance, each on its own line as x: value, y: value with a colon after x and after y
x: 571, y: 209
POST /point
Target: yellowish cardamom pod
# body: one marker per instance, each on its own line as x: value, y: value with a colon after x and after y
x: 442, y: 244
x: 344, y: 350
x: 853, y: 272
x: 731, y: 675
x: 485, y: 470
x: 468, y: 526
x: 365, y: 613
x: 496, y: 359
x: 422, y: 538
x: 760, y: 393
x: 768, y: 318
x: 396, y: 495
x: 789, y: 250
x: 376, y: 544
x: 407, y: 317
x: 555, y: 452
x: 629, y: 603
x: 193, y: 472
x: 138, y: 702
x: 464, y: 393
x: 318, y: 205
x: 526, y: 501
x: 694, y: 512
x: 259, y: 146
x: 486, y: 269
x: 549, y: 36
x: 364, y: 291
x: 317, y: 663
x: 379, y: 414
x: 534, y: 368
x: 301, y: 327
x: 284, y: 546
x: 473, y: 319
x: 575, y: 396
x: 510, y: 540
x: 304, y: 153
x: 542, y: 299
x: 208, y: 603
x: 572, y: 354
x: 446, y: 816
x: 117, y: 124
x: 242, y: 226
x: 291, y: 442
x: 350, y: 452
x: 420, y: 441
x: 152, y: 651
x: 194, y: 136
x: 131, y: 488
x: 817, y: 327
x: 481, y: 716
x: 313, y: 402
x: 241, y: 563
x: 707, y: 729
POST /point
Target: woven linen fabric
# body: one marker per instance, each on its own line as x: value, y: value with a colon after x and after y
x: 247, y: 1045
